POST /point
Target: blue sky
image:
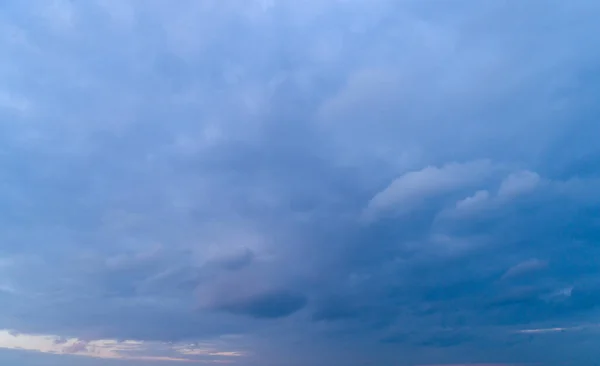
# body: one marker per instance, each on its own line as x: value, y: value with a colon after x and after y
x: 315, y: 182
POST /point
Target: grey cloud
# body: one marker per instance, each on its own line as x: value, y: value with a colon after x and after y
x: 518, y: 183
x: 187, y: 172
x: 252, y: 292
x: 236, y: 261
x: 60, y: 341
x: 78, y: 346
x: 474, y: 201
x: 335, y: 310
x: 447, y: 339
x: 525, y: 267
x: 272, y: 304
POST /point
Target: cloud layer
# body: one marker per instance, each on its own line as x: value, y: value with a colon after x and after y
x: 300, y: 183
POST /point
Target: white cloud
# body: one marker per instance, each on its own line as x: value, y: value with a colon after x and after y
x: 413, y: 189
x: 585, y: 327
x: 112, y: 349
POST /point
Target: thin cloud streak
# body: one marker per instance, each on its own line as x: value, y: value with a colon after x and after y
x: 111, y: 349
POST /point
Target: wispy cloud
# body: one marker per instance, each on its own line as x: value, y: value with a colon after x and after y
x: 113, y: 349
x: 559, y: 329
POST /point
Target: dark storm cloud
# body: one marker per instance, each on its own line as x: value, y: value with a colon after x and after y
x: 275, y: 304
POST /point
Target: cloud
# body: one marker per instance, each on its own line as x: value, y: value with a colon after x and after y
x: 299, y: 183
x: 114, y: 349
x: 273, y: 304
x: 415, y: 188
x: 9, y: 102
x: 76, y: 347
x: 518, y: 183
x: 473, y: 201
x: 525, y: 267
x: 473, y: 364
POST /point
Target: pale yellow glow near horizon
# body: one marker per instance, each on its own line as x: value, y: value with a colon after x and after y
x: 109, y: 349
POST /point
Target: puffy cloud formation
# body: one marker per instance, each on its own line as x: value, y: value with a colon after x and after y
x: 317, y: 182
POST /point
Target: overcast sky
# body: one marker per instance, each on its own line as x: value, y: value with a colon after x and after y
x: 299, y: 182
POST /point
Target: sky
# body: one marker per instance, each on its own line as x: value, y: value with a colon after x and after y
x: 299, y: 183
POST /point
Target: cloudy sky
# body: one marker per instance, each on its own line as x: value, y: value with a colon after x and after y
x: 299, y: 182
